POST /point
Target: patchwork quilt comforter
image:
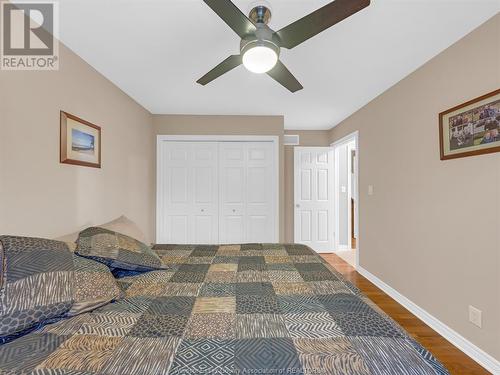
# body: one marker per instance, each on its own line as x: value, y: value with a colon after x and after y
x: 235, y: 309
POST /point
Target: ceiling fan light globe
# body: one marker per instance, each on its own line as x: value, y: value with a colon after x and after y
x: 260, y: 59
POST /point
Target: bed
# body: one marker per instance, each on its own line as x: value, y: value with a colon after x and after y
x: 229, y: 309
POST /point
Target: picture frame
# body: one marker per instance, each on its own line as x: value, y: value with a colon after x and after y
x: 80, y: 141
x: 471, y: 128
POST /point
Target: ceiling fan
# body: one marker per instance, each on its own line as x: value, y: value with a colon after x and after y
x: 260, y: 45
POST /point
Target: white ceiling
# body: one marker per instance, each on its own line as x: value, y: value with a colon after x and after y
x: 155, y: 50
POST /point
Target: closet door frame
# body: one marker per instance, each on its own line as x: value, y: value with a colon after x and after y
x: 219, y: 138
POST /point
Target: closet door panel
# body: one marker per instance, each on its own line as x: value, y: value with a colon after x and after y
x: 232, y: 196
x: 232, y: 192
x: 204, y: 184
x: 174, y: 199
x: 258, y: 228
x: 203, y: 229
x: 234, y: 229
x: 179, y: 185
x: 258, y: 193
x: 205, y: 201
x: 189, y: 200
x: 246, y: 192
x: 260, y: 205
x: 178, y: 228
x: 234, y: 185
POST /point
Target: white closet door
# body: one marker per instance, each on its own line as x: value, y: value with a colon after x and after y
x: 314, y: 198
x: 246, y: 192
x: 232, y: 189
x: 188, y: 199
x: 261, y: 191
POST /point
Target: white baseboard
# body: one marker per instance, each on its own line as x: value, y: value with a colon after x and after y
x: 324, y: 251
x: 480, y: 356
x: 342, y: 247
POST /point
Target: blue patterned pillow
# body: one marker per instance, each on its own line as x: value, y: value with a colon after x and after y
x: 36, y: 282
x: 116, y: 250
x: 93, y: 286
x: 42, y: 281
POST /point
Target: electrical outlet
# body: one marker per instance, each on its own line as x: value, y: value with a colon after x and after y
x: 475, y: 316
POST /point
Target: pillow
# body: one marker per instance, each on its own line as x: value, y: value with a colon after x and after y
x: 35, y: 282
x: 116, y: 250
x: 42, y: 279
x: 151, y: 284
x: 71, y: 246
x: 68, y: 238
x: 121, y: 224
x: 94, y: 286
x: 127, y: 227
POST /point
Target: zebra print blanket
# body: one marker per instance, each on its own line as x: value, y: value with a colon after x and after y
x: 236, y: 309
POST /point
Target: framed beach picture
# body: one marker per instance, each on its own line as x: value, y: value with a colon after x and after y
x: 80, y: 142
x: 471, y: 128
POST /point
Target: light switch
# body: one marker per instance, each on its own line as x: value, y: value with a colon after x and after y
x: 343, y: 188
x: 370, y: 189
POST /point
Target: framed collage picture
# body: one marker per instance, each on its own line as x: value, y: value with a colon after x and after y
x: 471, y: 128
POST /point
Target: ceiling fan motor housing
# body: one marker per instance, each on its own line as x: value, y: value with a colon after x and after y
x: 260, y: 12
x: 263, y: 37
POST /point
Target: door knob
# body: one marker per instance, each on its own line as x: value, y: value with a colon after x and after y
x: 234, y: 210
x: 297, y: 205
x: 202, y: 210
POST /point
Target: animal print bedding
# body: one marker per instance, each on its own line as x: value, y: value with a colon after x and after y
x: 238, y: 309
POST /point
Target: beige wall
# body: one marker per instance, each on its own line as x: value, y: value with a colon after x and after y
x: 228, y: 125
x: 432, y: 229
x: 41, y: 197
x: 307, y: 138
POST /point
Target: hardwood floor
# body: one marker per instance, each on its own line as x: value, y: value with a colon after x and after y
x: 455, y: 361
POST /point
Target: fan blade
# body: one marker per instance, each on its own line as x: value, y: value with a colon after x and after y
x: 231, y: 15
x: 318, y: 21
x: 282, y: 75
x: 228, y: 64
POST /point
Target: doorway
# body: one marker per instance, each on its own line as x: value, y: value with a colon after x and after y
x: 314, y: 198
x: 346, y: 209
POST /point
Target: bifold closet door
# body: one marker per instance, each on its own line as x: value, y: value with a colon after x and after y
x: 188, y: 193
x: 246, y: 192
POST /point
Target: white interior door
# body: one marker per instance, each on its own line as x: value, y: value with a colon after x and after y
x: 188, y: 197
x: 314, y: 197
x: 247, y: 192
